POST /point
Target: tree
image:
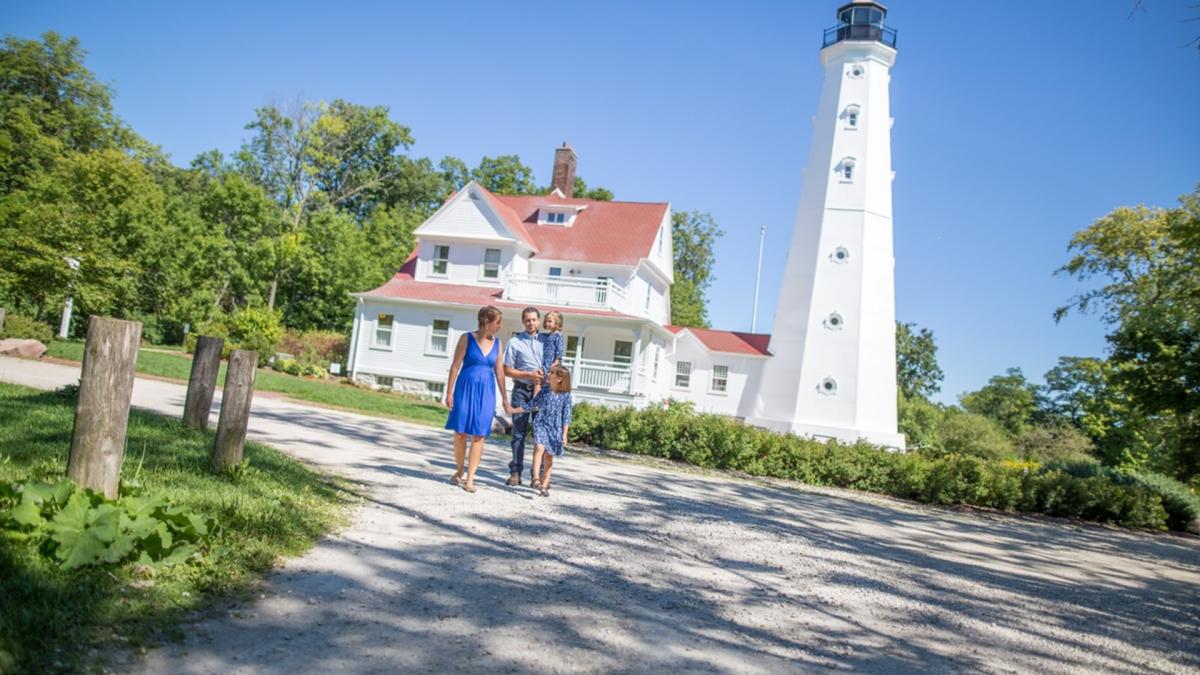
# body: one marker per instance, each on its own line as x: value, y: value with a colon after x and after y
x: 1146, y: 260
x: 692, y: 238
x: 505, y: 175
x: 917, y: 372
x: 581, y: 191
x: 1009, y: 399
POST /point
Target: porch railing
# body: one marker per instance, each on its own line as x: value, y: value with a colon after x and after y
x: 566, y: 291
x: 607, y: 376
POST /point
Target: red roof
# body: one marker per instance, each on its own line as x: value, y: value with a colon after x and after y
x: 615, y: 233
x: 403, y: 286
x: 733, y: 342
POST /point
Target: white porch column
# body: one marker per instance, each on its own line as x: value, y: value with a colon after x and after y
x: 352, y: 352
x: 635, y: 363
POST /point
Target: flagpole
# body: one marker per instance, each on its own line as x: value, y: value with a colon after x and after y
x: 762, y: 235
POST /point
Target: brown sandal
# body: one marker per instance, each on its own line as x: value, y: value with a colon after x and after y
x: 468, y: 487
x: 456, y: 480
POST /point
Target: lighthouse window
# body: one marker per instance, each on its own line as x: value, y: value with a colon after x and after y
x: 852, y: 119
x: 840, y: 254
x: 834, y: 322
x: 828, y: 386
x: 848, y: 172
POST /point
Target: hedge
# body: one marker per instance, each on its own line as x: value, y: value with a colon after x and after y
x: 1098, y: 494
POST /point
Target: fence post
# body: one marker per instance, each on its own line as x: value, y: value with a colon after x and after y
x: 1, y: 319
x: 206, y: 363
x: 235, y: 409
x: 102, y: 413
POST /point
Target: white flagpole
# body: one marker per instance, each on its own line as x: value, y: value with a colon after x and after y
x: 762, y: 235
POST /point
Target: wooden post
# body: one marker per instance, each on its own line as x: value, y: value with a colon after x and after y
x: 206, y: 363
x: 235, y: 409
x: 102, y: 413
x: 1, y: 319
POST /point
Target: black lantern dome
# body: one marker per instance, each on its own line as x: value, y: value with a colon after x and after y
x: 861, y: 21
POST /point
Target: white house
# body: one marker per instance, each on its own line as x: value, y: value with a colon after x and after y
x: 607, y: 266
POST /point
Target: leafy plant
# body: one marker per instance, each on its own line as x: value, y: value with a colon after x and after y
x: 79, y: 528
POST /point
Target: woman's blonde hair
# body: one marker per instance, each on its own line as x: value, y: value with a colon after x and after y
x: 557, y: 316
x: 560, y: 376
x: 488, y: 314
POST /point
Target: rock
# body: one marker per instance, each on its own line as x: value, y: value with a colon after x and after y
x: 26, y: 349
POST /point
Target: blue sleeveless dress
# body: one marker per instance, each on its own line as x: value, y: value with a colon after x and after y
x: 475, y: 391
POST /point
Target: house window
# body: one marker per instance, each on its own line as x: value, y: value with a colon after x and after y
x: 647, y: 298
x: 657, y: 354
x: 556, y: 271
x: 572, y: 348
x: 683, y: 374
x: 435, y: 389
x: 662, y: 234
x: 602, y: 290
x: 384, y: 381
x: 441, y: 260
x: 439, y: 336
x: 491, y: 263
x: 622, y: 352
x: 383, y: 331
x: 558, y: 218
x: 720, y: 378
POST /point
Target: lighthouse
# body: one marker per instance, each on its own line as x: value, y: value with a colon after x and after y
x: 832, y: 373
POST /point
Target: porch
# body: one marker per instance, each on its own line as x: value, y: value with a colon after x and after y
x: 566, y: 292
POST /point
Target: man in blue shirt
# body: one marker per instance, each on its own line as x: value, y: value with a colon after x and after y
x: 523, y: 363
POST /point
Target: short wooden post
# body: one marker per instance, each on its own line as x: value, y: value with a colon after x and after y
x: 1, y: 319
x: 102, y: 413
x: 235, y: 409
x: 206, y: 363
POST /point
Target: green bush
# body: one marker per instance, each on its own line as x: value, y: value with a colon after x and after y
x: 965, y: 433
x: 257, y: 329
x: 22, y: 327
x: 314, y: 347
x: 970, y: 475
x: 1054, y: 444
x: 218, y: 328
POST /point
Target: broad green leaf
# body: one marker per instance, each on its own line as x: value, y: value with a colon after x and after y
x: 140, y: 528
x: 164, y: 536
x: 73, y: 516
x: 28, y: 514
x: 138, y: 507
x: 82, y: 550
x: 106, y: 523
x: 118, y: 549
x: 199, y: 524
x: 63, y: 491
x: 179, y: 555
x: 37, y: 493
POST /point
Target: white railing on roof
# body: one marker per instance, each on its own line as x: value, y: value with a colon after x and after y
x: 566, y: 291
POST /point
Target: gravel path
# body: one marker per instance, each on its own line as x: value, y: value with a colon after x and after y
x: 637, y: 566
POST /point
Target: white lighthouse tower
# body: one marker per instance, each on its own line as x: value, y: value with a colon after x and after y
x: 833, y: 369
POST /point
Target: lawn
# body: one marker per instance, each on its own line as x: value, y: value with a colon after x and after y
x: 49, y: 618
x: 324, y: 392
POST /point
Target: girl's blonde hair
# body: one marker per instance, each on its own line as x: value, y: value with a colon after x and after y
x: 560, y: 380
x: 488, y: 314
x: 558, y: 319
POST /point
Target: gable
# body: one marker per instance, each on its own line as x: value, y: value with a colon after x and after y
x: 466, y: 217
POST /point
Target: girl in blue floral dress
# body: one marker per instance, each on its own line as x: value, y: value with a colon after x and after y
x: 551, y: 426
x: 553, y: 348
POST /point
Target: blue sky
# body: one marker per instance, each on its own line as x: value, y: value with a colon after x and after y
x: 1017, y: 123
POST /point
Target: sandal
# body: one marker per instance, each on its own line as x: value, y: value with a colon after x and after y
x: 544, y: 490
x: 468, y: 487
x: 535, y: 484
x: 456, y: 480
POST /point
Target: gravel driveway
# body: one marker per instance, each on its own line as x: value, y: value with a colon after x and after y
x: 635, y: 566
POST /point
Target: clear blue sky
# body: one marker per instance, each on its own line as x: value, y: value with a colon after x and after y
x: 1017, y: 123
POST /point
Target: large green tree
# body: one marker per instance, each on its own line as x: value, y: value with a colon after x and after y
x: 1009, y: 399
x: 1143, y: 269
x: 693, y: 235
x: 918, y: 374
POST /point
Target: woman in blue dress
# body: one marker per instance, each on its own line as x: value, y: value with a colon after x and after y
x: 471, y: 392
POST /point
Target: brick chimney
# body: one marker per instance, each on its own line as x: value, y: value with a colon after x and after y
x: 564, y: 170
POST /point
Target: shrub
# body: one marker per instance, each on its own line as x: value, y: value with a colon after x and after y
x: 314, y: 347
x: 258, y: 329
x: 1181, y: 504
x: 965, y: 433
x: 1054, y: 443
x: 25, y: 328
x: 217, y: 327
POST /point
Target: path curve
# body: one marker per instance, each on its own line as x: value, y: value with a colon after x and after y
x: 634, y: 567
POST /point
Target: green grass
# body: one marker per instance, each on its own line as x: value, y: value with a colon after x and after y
x: 330, y: 393
x: 49, y: 618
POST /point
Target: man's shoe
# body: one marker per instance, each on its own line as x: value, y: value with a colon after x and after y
x: 514, y: 480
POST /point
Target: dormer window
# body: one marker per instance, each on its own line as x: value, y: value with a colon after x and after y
x: 559, y: 214
x: 556, y: 218
x: 441, y: 260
